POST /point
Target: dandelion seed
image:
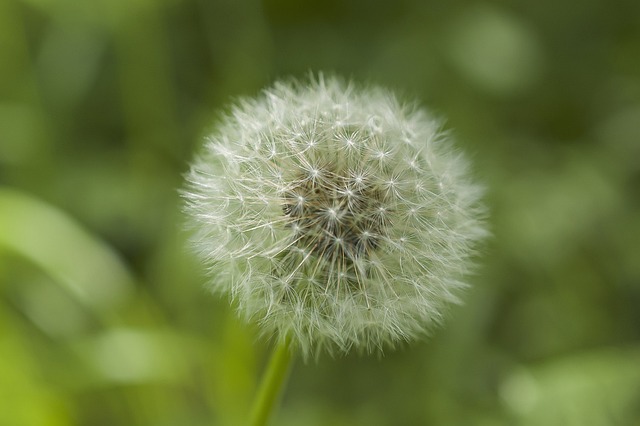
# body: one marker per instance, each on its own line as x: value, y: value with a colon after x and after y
x: 336, y: 217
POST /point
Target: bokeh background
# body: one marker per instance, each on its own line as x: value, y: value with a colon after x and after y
x: 104, y: 319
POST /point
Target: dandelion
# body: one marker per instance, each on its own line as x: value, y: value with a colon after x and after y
x: 335, y: 216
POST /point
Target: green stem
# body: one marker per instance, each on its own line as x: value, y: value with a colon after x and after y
x: 272, y: 383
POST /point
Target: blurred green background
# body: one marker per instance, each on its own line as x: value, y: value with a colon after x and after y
x: 103, y: 316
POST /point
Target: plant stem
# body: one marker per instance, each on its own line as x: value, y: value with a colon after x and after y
x: 273, y: 380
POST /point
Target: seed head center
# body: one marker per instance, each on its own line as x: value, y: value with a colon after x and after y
x: 337, y: 218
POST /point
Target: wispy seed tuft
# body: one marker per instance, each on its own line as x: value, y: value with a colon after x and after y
x: 334, y: 215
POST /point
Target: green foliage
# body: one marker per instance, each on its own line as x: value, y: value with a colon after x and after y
x: 103, y: 315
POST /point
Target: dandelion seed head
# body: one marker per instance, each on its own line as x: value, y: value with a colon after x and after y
x: 334, y: 215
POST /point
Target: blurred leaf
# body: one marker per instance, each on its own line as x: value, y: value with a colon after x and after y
x: 86, y: 267
x: 131, y: 356
x: 26, y: 399
x: 598, y: 388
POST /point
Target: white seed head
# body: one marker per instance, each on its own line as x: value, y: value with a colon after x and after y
x: 334, y: 215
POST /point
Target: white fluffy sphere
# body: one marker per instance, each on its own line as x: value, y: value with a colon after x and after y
x: 334, y: 215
